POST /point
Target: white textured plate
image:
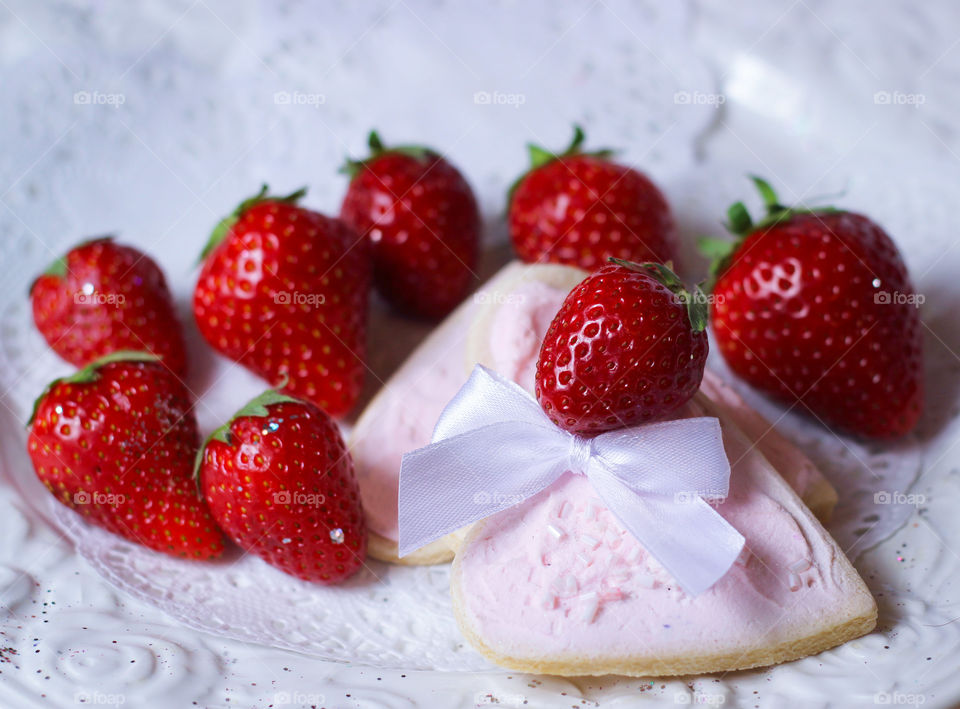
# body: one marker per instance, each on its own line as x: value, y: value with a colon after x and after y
x: 200, y: 127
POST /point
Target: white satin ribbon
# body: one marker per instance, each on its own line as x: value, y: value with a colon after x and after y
x: 494, y: 447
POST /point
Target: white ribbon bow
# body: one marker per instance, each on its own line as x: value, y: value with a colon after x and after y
x: 494, y: 447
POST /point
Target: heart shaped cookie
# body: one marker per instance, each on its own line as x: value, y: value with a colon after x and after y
x: 555, y: 585
x: 501, y: 327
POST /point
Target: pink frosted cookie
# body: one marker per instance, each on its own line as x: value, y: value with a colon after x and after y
x: 402, y: 416
x: 502, y: 327
x: 556, y: 585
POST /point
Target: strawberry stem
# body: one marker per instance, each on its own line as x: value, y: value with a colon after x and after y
x: 695, y: 302
x: 351, y: 168
x: 256, y: 407
x: 741, y: 224
x: 224, y: 226
x: 90, y: 373
x: 540, y: 156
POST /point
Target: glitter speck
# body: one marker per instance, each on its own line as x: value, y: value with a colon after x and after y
x: 876, y: 282
x: 58, y: 409
x: 336, y: 535
x: 286, y: 540
x: 87, y: 289
x: 273, y: 425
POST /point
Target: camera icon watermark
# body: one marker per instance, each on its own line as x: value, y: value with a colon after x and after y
x: 295, y: 497
x: 83, y: 497
x: 895, y: 497
x: 498, y: 498
x: 497, y: 298
x: 88, y: 295
x: 311, y: 300
x: 689, y: 497
x: 883, y: 297
x: 487, y: 699
x: 698, y: 296
x: 699, y: 98
x: 97, y: 698
x: 96, y: 98
x: 499, y: 98
x: 899, y: 699
x: 300, y: 699
x: 899, y: 98
x: 299, y: 98
x: 699, y: 699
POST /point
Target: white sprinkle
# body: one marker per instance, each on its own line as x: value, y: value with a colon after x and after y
x: 591, y: 542
x: 800, y: 566
x: 633, y: 555
x: 562, y: 509
x: 549, y: 601
x: 565, y: 585
x: 794, y: 582
x: 588, y: 607
x: 583, y: 560
x: 646, y: 580
x: 618, y: 576
x: 556, y: 532
x: 593, y: 508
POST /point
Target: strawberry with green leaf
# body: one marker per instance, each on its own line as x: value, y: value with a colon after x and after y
x: 280, y: 482
x: 103, y: 297
x: 283, y: 291
x: 581, y: 208
x: 628, y: 346
x: 423, y: 224
x: 815, y: 306
x: 116, y: 442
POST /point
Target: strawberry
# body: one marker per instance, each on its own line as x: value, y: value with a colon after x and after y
x: 102, y: 297
x: 116, y: 441
x: 816, y: 306
x: 423, y: 224
x: 280, y: 482
x: 580, y: 208
x: 284, y: 291
x: 628, y: 346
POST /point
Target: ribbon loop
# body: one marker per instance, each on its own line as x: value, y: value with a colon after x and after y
x: 493, y: 448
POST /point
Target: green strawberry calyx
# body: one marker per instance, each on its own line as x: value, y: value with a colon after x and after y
x: 352, y: 168
x: 224, y: 226
x: 695, y: 302
x: 58, y: 269
x: 540, y: 156
x: 256, y: 407
x: 91, y: 372
x: 740, y: 224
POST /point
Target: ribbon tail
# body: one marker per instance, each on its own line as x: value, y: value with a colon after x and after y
x: 689, y: 538
x: 454, y: 482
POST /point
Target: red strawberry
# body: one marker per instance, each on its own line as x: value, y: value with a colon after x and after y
x: 116, y: 442
x: 103, y: 297
x: 816, y: 306
x: 284, y: 291
x: 423, y: 224
x: 580, y: 208
x: 628, y: 346
x: 280, y: 482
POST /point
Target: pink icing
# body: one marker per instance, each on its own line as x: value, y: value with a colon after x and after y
x: 593, y: 590
x: 417, y: 395
x: 518, y: 329
x: 411, y: 404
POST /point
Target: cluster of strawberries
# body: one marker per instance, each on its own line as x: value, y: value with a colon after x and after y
x: 284, y: 291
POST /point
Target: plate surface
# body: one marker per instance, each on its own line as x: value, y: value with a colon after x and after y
x: 217, y: 97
